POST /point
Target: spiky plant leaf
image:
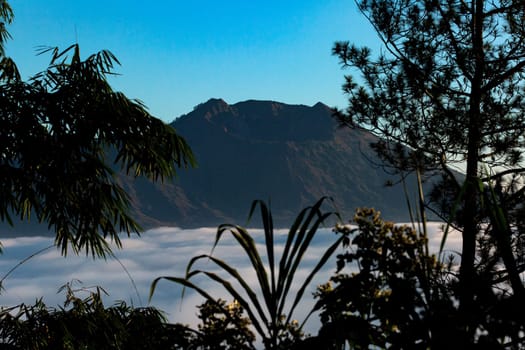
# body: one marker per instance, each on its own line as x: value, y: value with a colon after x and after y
x: 268, y: 309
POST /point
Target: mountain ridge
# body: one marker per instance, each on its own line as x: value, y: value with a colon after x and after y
x: 288, y: 155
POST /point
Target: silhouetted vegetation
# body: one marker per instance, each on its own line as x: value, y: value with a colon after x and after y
x: 62, y: 135
x: 86, y: 323
x: 448, y: 90
x: 270, y: 306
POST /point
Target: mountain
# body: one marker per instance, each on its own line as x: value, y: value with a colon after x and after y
x: 288, y: 155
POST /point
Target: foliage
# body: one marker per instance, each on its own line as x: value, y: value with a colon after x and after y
x: 6, y: 17
x: 422, y: 88
x: 87, y: 324
x: 64, y: 136
x: 271, y: 307
x: 448, y: 90
x: 223, y: 327
x: 387, y: 302
x: 390, y: 294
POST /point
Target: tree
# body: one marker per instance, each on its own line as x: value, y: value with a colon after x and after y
x: 449, y: 89
x: 64, y: 136
x: 388, y: 293
x: 223, y: 327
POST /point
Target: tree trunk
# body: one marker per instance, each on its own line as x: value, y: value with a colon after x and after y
x: 470, y: 215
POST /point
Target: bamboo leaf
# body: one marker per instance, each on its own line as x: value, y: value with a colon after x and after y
x: 297, y: 260
x: 248, y: 244
x: 283, y: 264
x: 329, y: 252
x: 266, y: 216
x: 299, y: 246
x: 246, y: 287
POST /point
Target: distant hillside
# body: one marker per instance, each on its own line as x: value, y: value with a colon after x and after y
x: 291, y: 155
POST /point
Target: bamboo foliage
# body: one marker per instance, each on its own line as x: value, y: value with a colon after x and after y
x: 270, y: 305
x: 65, y: 137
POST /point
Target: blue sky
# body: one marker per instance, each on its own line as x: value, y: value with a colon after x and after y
x: 177, y: 54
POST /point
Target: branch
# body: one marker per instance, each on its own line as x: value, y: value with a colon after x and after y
x: 503, y: 173
x: 461, y: 62
x: 501, y: 78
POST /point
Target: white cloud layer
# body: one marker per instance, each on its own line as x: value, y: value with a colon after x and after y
x: 160, y: 252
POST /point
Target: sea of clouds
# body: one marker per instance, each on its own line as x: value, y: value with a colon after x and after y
x: 159, y: 252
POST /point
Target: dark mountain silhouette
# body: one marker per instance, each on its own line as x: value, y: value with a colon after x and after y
x: 289, y: 155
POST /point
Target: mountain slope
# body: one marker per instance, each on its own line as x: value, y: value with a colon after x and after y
x: 290, y: 155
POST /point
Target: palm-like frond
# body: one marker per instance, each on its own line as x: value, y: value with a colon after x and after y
x: 267, y: 304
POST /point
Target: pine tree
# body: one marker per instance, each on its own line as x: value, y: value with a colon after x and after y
x: 448, y: 89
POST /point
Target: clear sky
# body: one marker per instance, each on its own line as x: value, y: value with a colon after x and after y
x: 177, y: 54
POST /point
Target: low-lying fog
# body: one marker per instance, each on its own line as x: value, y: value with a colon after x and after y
x: 158, y: 252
